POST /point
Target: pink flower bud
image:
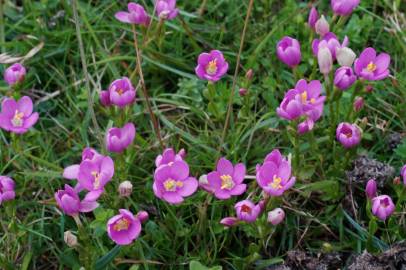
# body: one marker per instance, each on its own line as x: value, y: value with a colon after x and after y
x: 369, y: 88
x: 313, y: 16
x: 105, y: 98
x: 276, y: 216
x: 370, y: 189
x: 229, y: 221
x: 142, y: 216
x: 325, y: 59
x: 182, y: 153
x: 358, y: 104
x: 322, y: 27
x: 125, y: 189
x: 14, y: 74
x: 70, y: 239
x: 382, y: 207
x: 242, y: 92
x: 250, y: 74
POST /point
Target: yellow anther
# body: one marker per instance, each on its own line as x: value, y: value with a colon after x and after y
x: 122, y: 224
x: 371, y: 67
x: 226, y: 182
x: 211, y: 67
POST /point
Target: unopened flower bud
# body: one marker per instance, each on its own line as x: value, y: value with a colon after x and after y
x: 143, y: 216
x: 358, y: 104
x: 276, y: 216
x: 249, y: 75
x: 70, y: 239
x: 345, y: 56
x: 125, y: 189
x: 369, y: 88
x: 322, y: 27
x: 325, y: 60
x: 229, y: 221
x: 370, y: 189
x: 242, y: 92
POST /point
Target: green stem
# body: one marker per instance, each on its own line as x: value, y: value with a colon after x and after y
x: 297, y: 148
x: 84, y: 249
x: 2, y: 32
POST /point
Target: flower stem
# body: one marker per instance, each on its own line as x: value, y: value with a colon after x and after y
x: 144, y: 90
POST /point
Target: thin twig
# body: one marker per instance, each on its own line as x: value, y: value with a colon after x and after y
x: 90, y: 100
x: 237, y: 68
x: 144, y: 90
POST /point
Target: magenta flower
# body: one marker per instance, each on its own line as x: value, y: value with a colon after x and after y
x: 120, y: 93
x: 370, y: 189
x: 136, y: 15
x: 403, y: 173
x: 344, y: 7
x: 168, y: 157
x: 288, y: 51
x: 211, y: 66
x: 313, y: 17
x: 7, y: 186
x: 68, y: 200
x: 349, y: 135
x: 331, y: 41
x: 382, y: 207
x: 14, y: 74
x: 118, y: 139
x: 94, y: 175
x: 166, y: 9
x: 247, y: 211
x: 358, y: 104
x: 276, y: 216
x: 124, y: 228
x: 17, y: 116
x: 72, y: 172
x: 344, y: 78
x: 172, y: 182
x: 371, y: 67
x: 226, y: 180
x: 229, y: 221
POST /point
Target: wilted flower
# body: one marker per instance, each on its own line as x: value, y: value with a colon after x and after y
x: 17, y: 116
x: 211, y: 66
x: 14, y: 74
x: 322, y: 27
x: 7, y: 186
x: 124, y: 228
x: 370, y: 189
x: 358, y: 104
x: 349, y: 135
x: 288, y: 51
x: 136, y: 15
x: 229, y: 221
x: 226, y: 180
x: 382, y: 207
x: 344, y: 78
x: 166, y: 9
x: 276, y: 216
x: 372, y: 67
x: 120, y: 93
x: 345, y: 56
x: 70, y: 203
x: 313, y: 16
x: 172, y: 182
x: 125, y: 189
x: 344, y: 7
x: 331, y: 40
x: 324, y: 59
x: 247, y: 211
x: 118, y: 139
x: 70, y: 239
x: 274, y: 175
x: 168, y: 157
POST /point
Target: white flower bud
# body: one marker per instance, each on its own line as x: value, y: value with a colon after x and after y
x: 125, y: 189
x: 325, y: 60
x: 70, y: 239
x: 345, y: 56
x: 322, y: 27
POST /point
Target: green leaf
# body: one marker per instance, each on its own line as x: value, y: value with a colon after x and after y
x: 195, y: 265
x: 102, y: 262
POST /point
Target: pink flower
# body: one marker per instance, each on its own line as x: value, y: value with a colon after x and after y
x: 274, y: 175
x: 94, y: 175
x: 172, y: 182
x: 313, y: 17
x: 118, y: 139
x: 124, y: 228
x: 382, y: 207
x: 211, y: 66
x: 322, y: 26
x: 168, y: 157
x: 344, y: 7
x: 14, y: 74
x: 70, y: 203
x: 143, y: 216
x: 331, y: 41
x: 276, y: 216
x: 226, y: 180
x: 344, y: 78
x: 288, y: 51
x: 247, y: 211
x: 166, y: 9
x: 7, y: 186
x: 371, y: 67
x: 120, y: 93
x: 358, y: 104
x: 324, y: 59
x: 17, y: 117
x: 136, y: 15
x: 71, y: 172
x: 229, y: 221
x: 370, y: 189
x: 349, y: 135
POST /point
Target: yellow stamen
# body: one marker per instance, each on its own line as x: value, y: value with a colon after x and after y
x: 96, y: 183
x: 226, y: 182
x: 371, y: 67
x: 179, y: 184
x: 17, y: 120
x: 122, y: 224
x: 276, y: 182
x: 312, y: 100
x: 170, y: 185
x: 211, y: 67
x: 120, y: 91
x: 303, y: 97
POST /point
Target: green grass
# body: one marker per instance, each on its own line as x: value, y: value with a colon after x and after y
x: 31, y: 234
